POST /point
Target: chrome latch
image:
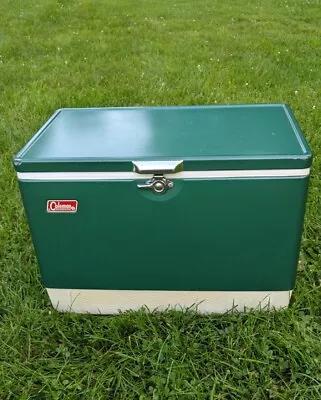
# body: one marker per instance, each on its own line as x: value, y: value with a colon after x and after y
x: 158, y: 184
x: 158, y: 167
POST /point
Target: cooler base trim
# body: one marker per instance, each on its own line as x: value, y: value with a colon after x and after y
x: 96, y: 301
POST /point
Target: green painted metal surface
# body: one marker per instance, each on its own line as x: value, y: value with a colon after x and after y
x: 217, y: 234
x: 207, y: 137
x: 203, y: 234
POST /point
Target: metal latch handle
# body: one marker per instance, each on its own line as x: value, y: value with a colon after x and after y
x: 158, y: 184
x: 158, y: 167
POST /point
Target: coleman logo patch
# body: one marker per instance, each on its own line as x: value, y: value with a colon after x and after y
x: 62, y: 206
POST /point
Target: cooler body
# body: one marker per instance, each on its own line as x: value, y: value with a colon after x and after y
x: 144, y: 226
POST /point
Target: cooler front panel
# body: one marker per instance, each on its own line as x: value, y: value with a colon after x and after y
x: 203, y: 234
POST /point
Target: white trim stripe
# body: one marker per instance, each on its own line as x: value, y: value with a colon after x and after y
x: 113, y: 301
x: 110, y: 176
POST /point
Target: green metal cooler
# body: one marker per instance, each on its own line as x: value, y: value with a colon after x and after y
x: 167, y: 206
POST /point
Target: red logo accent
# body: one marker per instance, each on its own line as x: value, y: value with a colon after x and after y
x: 62, y: 206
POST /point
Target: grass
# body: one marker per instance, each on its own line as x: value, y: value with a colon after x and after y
x: 121, y: 53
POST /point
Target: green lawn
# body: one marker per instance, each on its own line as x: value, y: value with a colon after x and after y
x: 68, y: 53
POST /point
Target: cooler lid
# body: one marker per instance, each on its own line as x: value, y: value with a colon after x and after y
x: 202, y: 138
